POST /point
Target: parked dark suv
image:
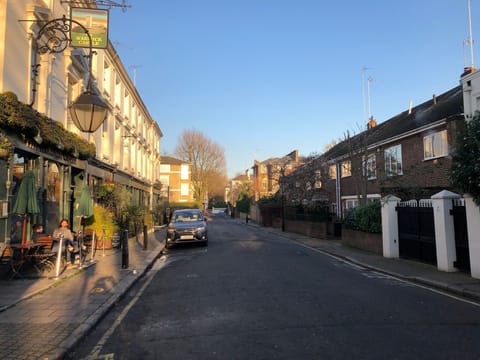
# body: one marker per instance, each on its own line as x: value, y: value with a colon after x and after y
x: 187, y: 226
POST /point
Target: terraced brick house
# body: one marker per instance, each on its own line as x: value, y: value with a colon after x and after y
x: 408, y: 156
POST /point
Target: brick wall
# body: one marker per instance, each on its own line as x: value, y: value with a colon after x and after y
x: 313, y: 229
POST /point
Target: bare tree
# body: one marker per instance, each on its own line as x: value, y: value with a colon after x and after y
x: 216, y: 185
x: 360, y: 158
x: 356, y: 163
x: 305, y: 183
x: 208, y: 162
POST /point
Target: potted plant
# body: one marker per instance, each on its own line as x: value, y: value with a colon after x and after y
x: 104, y: 226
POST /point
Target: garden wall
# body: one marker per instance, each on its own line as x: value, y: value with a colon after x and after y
x: 313, y: 229
x: 363, y: 240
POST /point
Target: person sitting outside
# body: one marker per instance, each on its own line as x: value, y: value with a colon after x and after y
x: 69, y: 242
x: 16, y: 233
x: 37, y: 232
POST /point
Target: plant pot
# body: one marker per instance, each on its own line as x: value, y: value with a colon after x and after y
x: 108, y: 243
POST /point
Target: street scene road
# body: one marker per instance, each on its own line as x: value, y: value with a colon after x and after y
x: 254, y: 295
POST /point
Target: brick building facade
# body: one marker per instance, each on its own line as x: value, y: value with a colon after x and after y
x: 266, y: 174
x: 175, y: 177
x: 407, y: 156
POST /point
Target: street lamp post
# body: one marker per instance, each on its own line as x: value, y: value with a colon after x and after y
x: 283, y: 208
x: 281, y: 181
x: 89, y: 110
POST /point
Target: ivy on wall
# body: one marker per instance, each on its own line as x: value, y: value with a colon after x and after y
x: 20, y: 119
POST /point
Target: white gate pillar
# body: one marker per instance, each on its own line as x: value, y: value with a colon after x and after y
x: 444, y: 230
x: 473, y: 227
x: 390, y: 226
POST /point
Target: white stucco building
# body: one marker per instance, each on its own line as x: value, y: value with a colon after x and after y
x: 127, y: 145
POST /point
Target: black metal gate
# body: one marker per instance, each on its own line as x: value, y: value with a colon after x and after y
x: 416, y: 231
x: 461, y: 235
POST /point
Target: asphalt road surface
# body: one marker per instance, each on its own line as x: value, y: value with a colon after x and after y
x: 254, y: 295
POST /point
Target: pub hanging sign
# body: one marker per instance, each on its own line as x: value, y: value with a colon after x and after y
x: 95, y: 21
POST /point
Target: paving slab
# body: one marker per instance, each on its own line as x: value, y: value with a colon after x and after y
x: 44, y: 317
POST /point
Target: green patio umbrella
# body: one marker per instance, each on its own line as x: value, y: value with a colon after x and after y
x: 85, y: 203
x: 83, y: 199
x: 84, y: 206
x: 26, y: 203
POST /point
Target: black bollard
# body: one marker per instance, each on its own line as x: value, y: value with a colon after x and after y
x: 145, y: 237
x: 125, y: 250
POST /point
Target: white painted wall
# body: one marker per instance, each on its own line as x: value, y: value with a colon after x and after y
x: 390, y: 227
x: 444, y: 230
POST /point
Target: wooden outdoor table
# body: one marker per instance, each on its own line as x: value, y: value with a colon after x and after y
x: 21, y: 256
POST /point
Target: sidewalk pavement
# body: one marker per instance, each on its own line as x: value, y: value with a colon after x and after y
x: 44, y: 317
x: 456, y: 283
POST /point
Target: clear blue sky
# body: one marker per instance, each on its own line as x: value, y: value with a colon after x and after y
x: 264, y: 77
